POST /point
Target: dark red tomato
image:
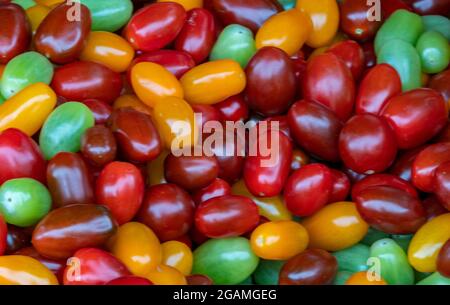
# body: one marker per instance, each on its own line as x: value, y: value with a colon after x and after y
x: 442, y: 184
x: 403, y: 164
x: 299, y: 159
x: 390, y: 210
x: 426, y: 163
x: 316, y: 129
x: 440, y: 82
x: 61, y: 39
x: 351, y: 53
x: 354, y: 21
x: 155, y: 26
x: 443, y: 260
x: 353, y: 176
x: 369, y: 54
x: 383, y: 180
x: 233, y: 109
x: 416, y: 116
x: 137, y: 138
x: 217, y: 188
x: 430, y: 7
x: 433, y: 207
x: 54, y: 265
x: 299, y: 63
x: 185, y: 239
x: 341, y: 186
x: 191, y: 172
x: 3, y: 235
x: 249, y: 13
x: 329, y: 82
x: 226, y: 216
x: 91, y: 266
x: 100, y: 109
x: 68, y: 229
x: 98, y: 145
x: 271, y: 82
x: 120, y: 187
x: 444, y: 135
x: 198, y: 279
x: 16, y: 32
x: 390, y: 6
x: 197, y: 237
x: 268, y: 165
x: 20, y: 157
x: 16, y: 239
x: 69, y: 181
x: 82, y: 80
x: 168, y: 210
x: 279, y: 122
x: 308, y: 189
x: 208, y: 114
x: 198, y: 34
x: 311, y: 267
x: 367, y: 144
x: 379, y: 85
x: 130, y: 280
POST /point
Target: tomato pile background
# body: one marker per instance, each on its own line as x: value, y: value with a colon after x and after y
x: 91, y: 194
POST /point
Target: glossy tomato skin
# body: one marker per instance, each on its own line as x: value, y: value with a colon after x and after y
x: 217, y: 188
x: 16, y: 239
x: 426, y: 163
x: 98, y: 145
x: 383, y: 180
x: 354, y: 21
x: 443, y: 260
x: 439, y: 82
x: 433, y: 207
x: 155, y: 26
x: 430, y: 7
x: 16, y: 31
x: 60, y: 39
x: 233, y: 109
x: 442, y: 184
x: 20, y: 157
x: 226, y: 216
x: 130, y: 280
x: 69, y: 180
x: 168, y: 210
x: 100, y: 109
x: 83, y: 80
x: 3, y: 235
x: 329, y: 82
x: 341, y: 186
x: 390, y: 210
x: 198, y: 279
x: 316, y: 129
x: 402, y: 166
x: 120, y: 187
x: 352, y: 54
x: 54, y: 265
x: 415, y: 116
x: 271, y: 82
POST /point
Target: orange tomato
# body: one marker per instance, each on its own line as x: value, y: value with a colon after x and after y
x: 24, y: 270
x: 177, y: 255
x: 49, y: 2
x: 36, y: 14
x: 131, y: 100
x: 166, y: 275
x: 361, y: 278
x: 187, y: 4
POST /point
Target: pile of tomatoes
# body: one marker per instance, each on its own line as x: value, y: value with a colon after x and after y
x: 91, y: 95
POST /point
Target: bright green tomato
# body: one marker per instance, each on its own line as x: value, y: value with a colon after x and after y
x: 64, y: 127
x: 402, y: 25
x: 435, y: 279
x: 287, y: 4
x: 434, y: 52
x: 372, y: 236
x: 268, y: 272
x: 437, y: 23
x: 23, y: 70
x: 353, y: 259
x: 403, y: 240
x: 109, y: 15
x: 235, y: 42
x: 227, y: 261
x: 393, y: 262
x: 24, y: 201
x: 342, y: 277
x: 405, y: 59
x: 25, y: 4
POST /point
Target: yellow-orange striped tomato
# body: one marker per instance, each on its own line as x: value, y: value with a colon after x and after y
x: 187, y: 4
x: 177, y: 255
x: 24, y: 270
x: 166, y: 275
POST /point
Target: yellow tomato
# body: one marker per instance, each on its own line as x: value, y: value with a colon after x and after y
x: 335, y: 227
x: 317, y: 52
x: 108, y: 49
x: 36, y: 14
x: 187, y: 4
x: 137, y: 247
x: 28, y: 109
x: 49, y: 2
x: 131, y: 100
x: 177, y: 255
x: 287, y: 30
x: 361, y: 278
x: 426, y: 243
x: 24, y: 270
x: 324, y: 15
x: 152, y: 83
x: 279, y: 240
x: 155, y: 169
x: 166, y: 275
x: 213, y: 82
x: 272, y: 208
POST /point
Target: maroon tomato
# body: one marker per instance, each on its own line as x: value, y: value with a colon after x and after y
x: 383, y: 180
x: 168, y: 210
x: 444, y: 135
x: 226, y: 216
x: 299, y: 62
x: 282, y: 124
x: 3, y: 235
x: 271, y: 82
x: 329, y: 82
x: 442, y: 184
x: 308, y: 189
x: 403, y: 164
x: 352, y: 175
x: 354, y: 21
x: 430, y: 7
x: 440, y: 82
x: 61, y: 39
x: 54, y: 265
x: 217, y: 188
x: 433, y: 207
x: 155, y: 26
x: 98, y: 145
x: 20, y: 157
x: 390, y: 210
x: 341, y: 186
x: 17, y: 238
x: 299, y: 159
x: 351, y: 53
x: 130, y: 280
x: 390, y: 6
x: 233, y: 109
x: 443, y: 260
x: 426, y: 163
x: 198, y: 279
x: 369, y: 54
x: 16, y: 31
x: 208, y: 114
x: 100, y: 109
x: 120, y: 187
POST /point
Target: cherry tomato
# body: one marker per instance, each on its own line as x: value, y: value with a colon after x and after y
x: 177, y: 255
x: 55, y: 266
x: 354, y: 21
x: 187, y: 4
x: 439, y: 82
x: 100, y: 109
x: 155, y: 169
x: 130, y: 280
x: 166, y: 275
x: 36, y: 14
x: 341, y: 186
x: 233, y: 109
x: 98, y: 145
x: 426, y: 163
x: 403, y: 165
x: 443, y: 260
x: 16, y: 239
x: 352, y: 54
x: 442, y: 185
x: 430, y: 7
x: 16, y: 34
x: 198, y: 279
x: 3, y: 235
x: 362, y: 278
x: 433, y: 207
x: 383, y: 180
x: 217, y: 188
x: 24, y: 270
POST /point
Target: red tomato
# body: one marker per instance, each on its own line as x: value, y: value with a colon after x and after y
x: 208, y: 114
x: 351, y: 53
x: 16, y: 32
x: 426, y: 163
x: 354, y: 21
x: 217, y: 188
x: 98, y: 145
x: 442, y: 184
x: 54, y: 265
x: 3, y: 235
x: 430, y: 7
x: 283, y: 124
x: 383, y: 180
x: 341, y: 186
x: 433, y: 207
x: 100, y: 109
x: 403, y: 164
x: 233, y: 109
x: 130, y: 280
x: 390, y: 6
x: 440, y: 82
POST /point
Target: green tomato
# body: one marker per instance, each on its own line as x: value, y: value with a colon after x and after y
x: 287, y: 4
x: 268, y: 272
x: 372, y: 236
x: 2, y: 99
x: 437, y: 23
x: 403, y: 57
x: 24, y: 201
x: 109, y: 15
x: 227, y: 261
x: 342, y: 277
x: 402, y: 25
x: 434, y: 52
x: 25, y: 4
x: 64, y: 127
x: 435, y: 279
x: 247, y: 281
x: 392, y: 262
x: 353, y: 259
x: 235, y: 42
x: 23, y: 70
x: 403, y: 240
